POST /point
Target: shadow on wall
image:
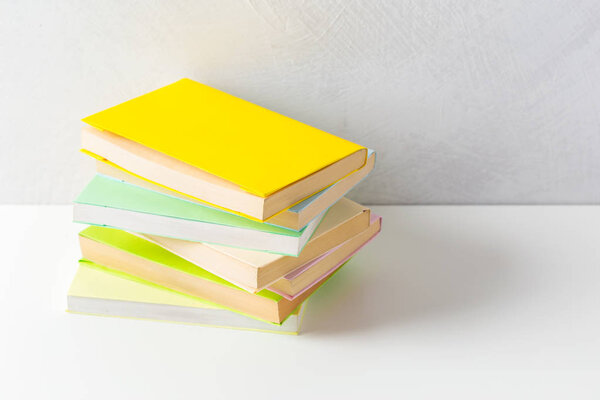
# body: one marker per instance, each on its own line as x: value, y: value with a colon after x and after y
x: 429, y: 275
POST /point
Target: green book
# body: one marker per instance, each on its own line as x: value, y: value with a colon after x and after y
x: 110, y: 202
x: 130, y: 254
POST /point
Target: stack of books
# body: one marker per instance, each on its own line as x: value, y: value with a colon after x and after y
x: 211, y: 210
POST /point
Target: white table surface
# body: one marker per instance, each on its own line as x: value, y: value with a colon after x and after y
x: 477, y: 302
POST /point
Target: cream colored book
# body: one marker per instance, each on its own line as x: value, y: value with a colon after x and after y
x: 97, y: 290
x: 255, y: 270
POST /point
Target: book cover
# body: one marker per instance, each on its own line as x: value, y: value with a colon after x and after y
x: 259, y: 150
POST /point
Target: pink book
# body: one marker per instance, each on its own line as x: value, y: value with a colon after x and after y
x: 375, y: 220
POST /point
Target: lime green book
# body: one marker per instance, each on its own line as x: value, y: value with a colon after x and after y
x: 98, y: 290
x: 110, y: 202
x: 130, y: 254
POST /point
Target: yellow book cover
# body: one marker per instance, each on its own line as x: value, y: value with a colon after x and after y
x: 259, y: 150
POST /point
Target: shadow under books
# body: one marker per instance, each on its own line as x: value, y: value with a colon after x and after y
x: 406, y: 275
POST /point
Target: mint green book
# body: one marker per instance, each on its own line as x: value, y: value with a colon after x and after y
x: 113, y: 203
x: 130, y: 254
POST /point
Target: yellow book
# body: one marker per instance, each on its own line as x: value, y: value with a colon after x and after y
x: 206, y: 143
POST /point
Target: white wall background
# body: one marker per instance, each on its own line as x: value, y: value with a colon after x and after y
x: 465, y: 101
